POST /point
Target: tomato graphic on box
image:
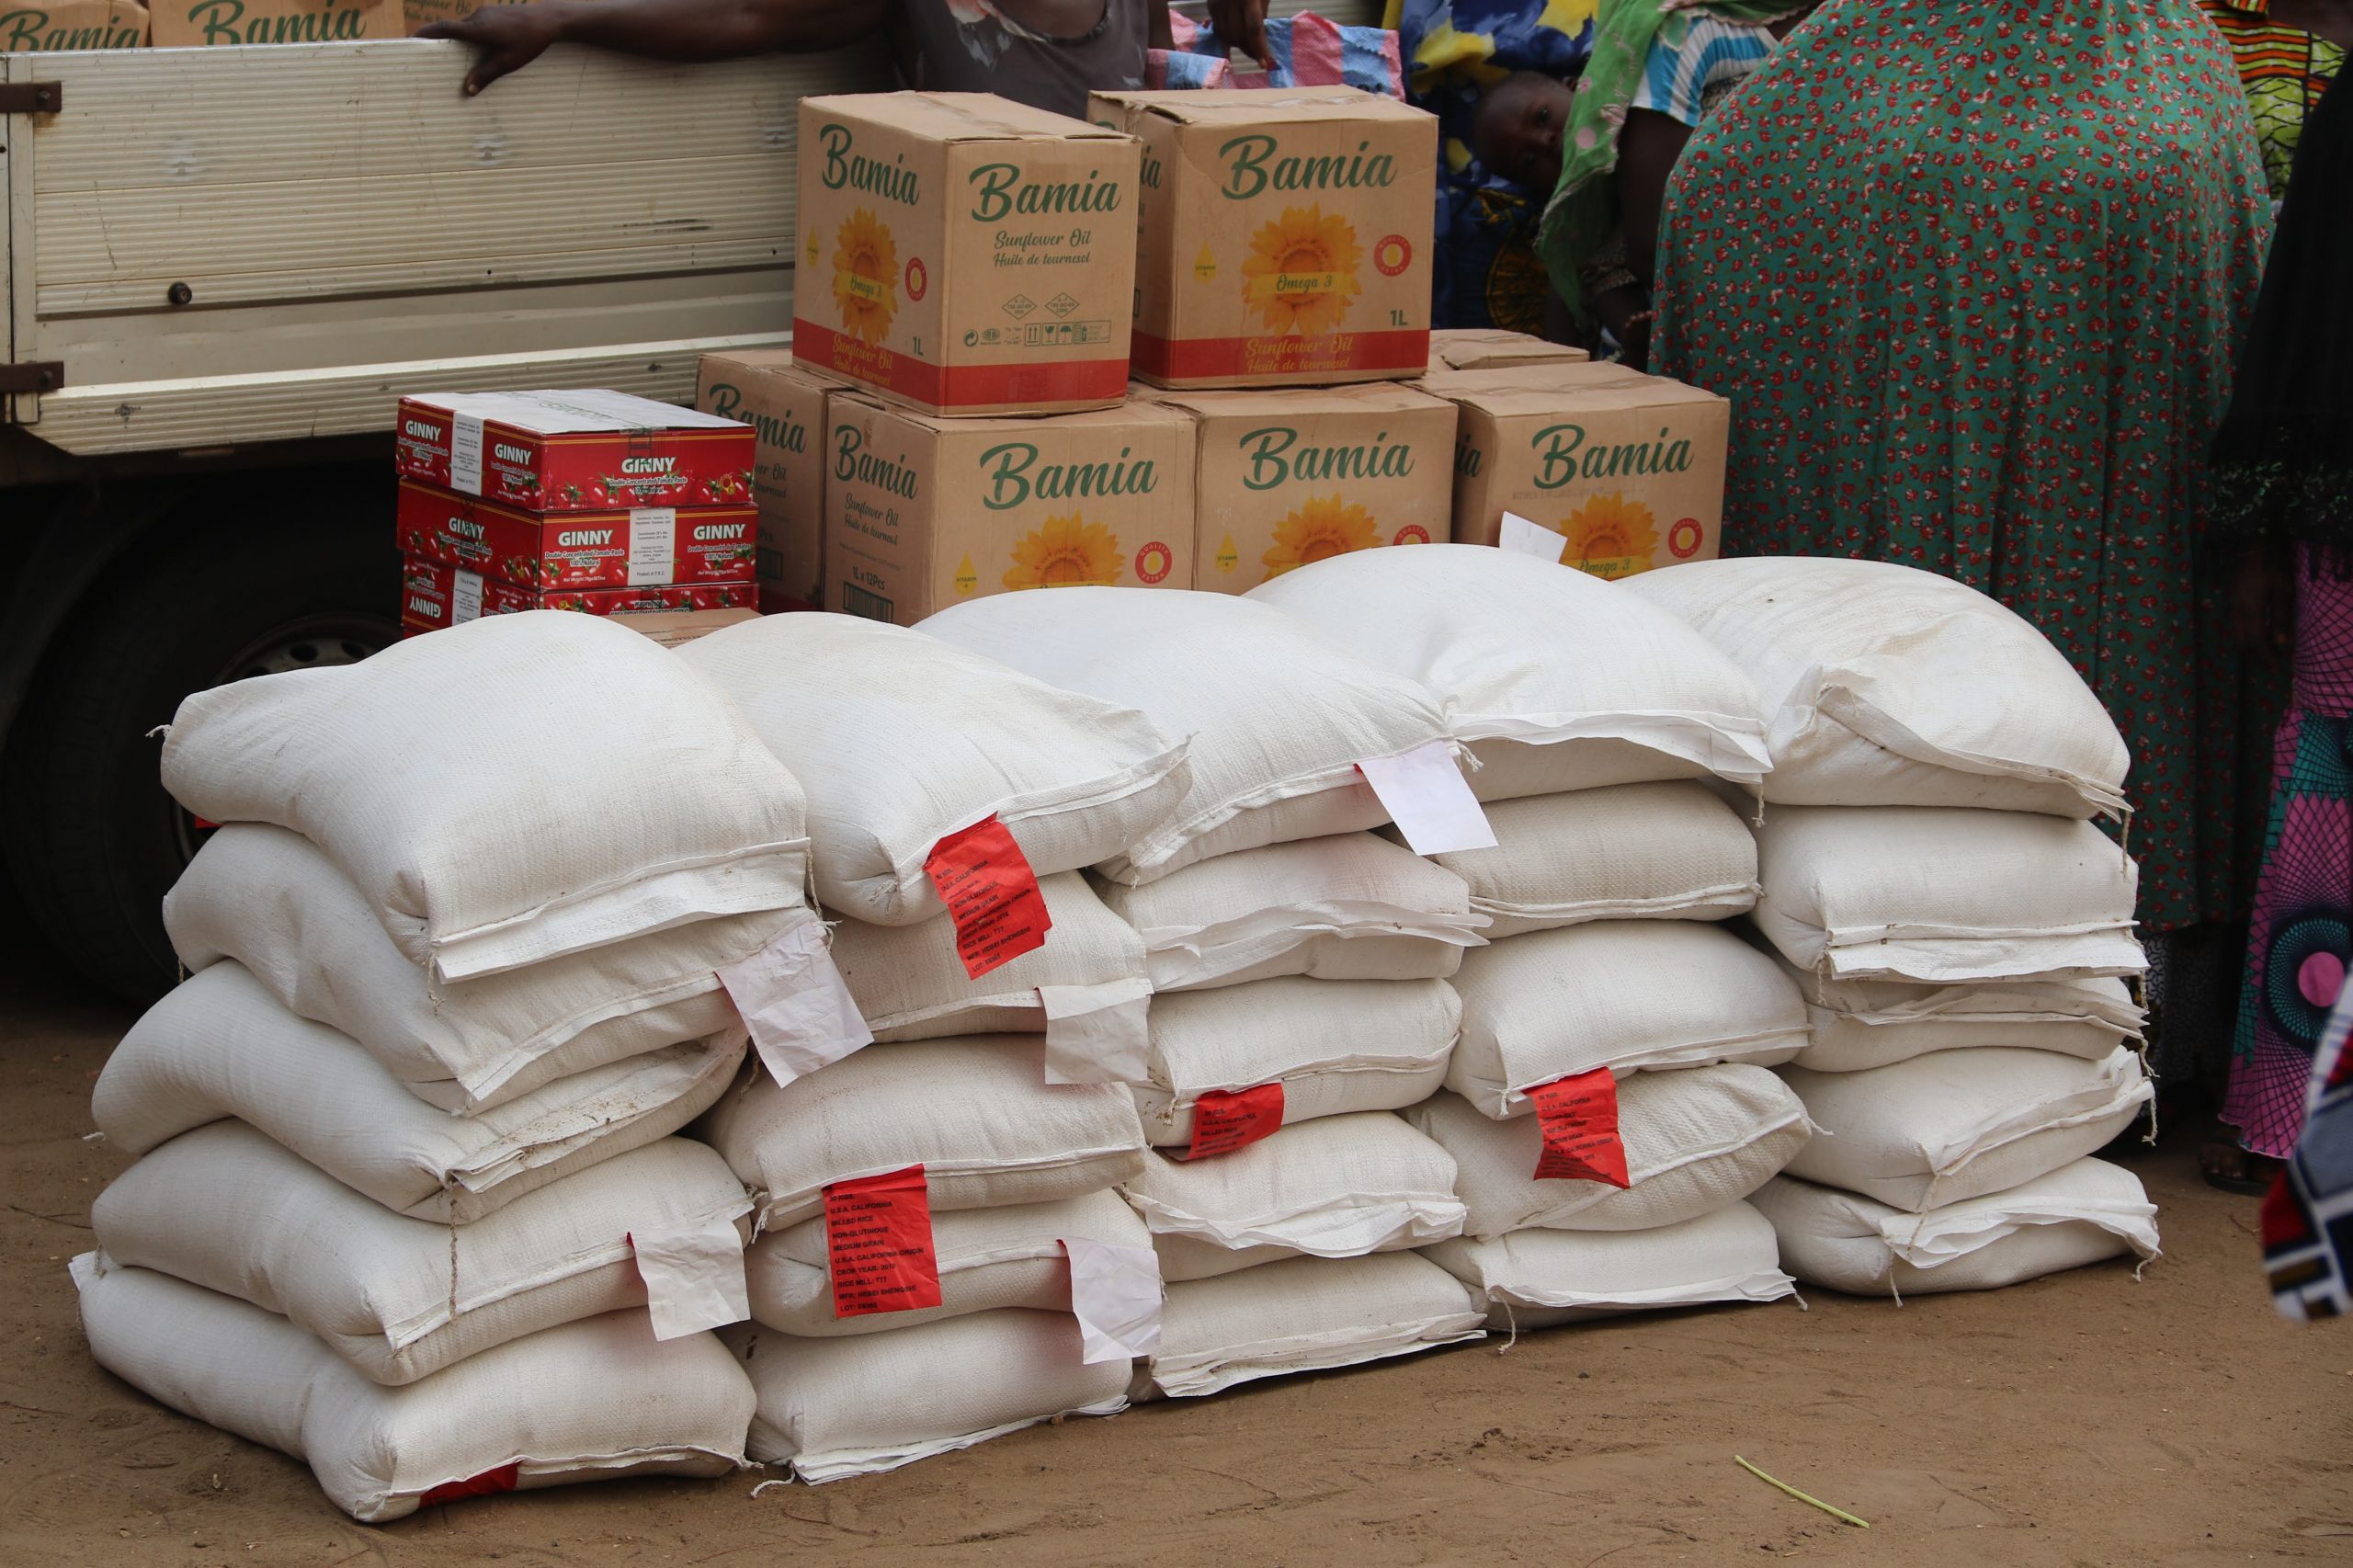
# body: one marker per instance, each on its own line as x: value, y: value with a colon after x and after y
x: 592, y: 549
x: 560, y: 451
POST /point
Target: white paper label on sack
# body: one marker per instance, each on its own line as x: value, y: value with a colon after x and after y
x: 1430, y: 799
x: 465, y: 597
x: 1096, y: 1034
x: 1115, y: 1293
x: 465, y: 453
x: 796, y: 1005
x: 694, y: 1277
x: 652, y: 532
x: 1523, y: 538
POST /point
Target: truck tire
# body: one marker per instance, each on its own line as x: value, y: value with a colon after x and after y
x: 93, y: 840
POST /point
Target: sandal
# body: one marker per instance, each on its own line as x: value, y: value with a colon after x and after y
x: 2231, y: 1168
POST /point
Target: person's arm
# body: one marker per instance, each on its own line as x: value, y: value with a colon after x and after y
x: 1159, y: 32
x: 1647, y: 149
x: 1242, y: 24
x: 511, y: 37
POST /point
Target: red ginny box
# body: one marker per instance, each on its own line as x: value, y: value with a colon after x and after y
x: 612, y: 547
x: 572, y: 451
x: 435, y: 593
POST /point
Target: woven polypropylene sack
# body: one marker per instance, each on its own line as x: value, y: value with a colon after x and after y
x: 987, y: 1258
x: 1279, y: 717
x: 910, y: 984
x: 1556, y: 679
x: 2083, y: 1212
x: 1303, y: 1313
x: 1937, y: 896
x: 1336, y: 1187
x: 508, y: 791
x: 1334, y: 1046
x: 901, y: 738
x: 1861, y: 1024
x: 273, y: 902
x: 1890, y: 686
x: 835, y: 1408
x: 974, y: 1111
x: 1695, y: 1140
x: 594, y: 1400
x: 1538, y: 1278
x: 1670, y: 851
x: 1951, y: 1126
x: 400, y: 1299
x: 1351, y: 907
x: 1624, y: 994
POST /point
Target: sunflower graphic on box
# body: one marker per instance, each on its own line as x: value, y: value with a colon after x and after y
x: 1300, y: 274
x: 1318, y: 528
x: 1610, y: 536
x: 866, y: 276
x: 1063, y: 552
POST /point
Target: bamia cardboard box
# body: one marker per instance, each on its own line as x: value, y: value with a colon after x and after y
x: 785, y: 404
x: 1286, y: 235
x: 961, y: 254
x: 72, y: 24
x: 182, y: 23
x: 1628, y: 467
x: 1493, y: 348
x: 922, y: 513
x: 1286, y: 478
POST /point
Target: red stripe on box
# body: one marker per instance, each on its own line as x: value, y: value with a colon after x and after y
x: 959, y: 386
x: 1185, y: 358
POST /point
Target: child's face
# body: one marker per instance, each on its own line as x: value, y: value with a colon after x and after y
x: 1518, y: 131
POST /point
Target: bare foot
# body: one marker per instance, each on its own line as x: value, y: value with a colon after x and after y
x: 2231, y: 1168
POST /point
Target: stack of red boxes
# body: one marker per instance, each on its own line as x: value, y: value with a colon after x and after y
x: 583, y: 500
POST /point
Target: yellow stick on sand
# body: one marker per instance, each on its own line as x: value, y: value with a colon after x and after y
x: 1839, y: 1514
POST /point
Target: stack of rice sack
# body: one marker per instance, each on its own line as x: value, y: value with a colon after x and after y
x: 942, y: 1253
x: 407, y: 1203
x: 1298, y: 964
x: 1608, y: 1108
x: 1931, y: 870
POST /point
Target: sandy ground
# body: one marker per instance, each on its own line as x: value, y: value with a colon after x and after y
x: 2083, y: 1419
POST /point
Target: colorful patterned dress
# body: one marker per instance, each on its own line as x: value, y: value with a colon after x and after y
x: 2284, y: 69
x: 1970, y: 273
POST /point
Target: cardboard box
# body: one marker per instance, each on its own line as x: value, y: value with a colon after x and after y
x: 1629, y: 467
x: 785, y: 405
x: 179, y: 24
x: 961, y: 254
x: 619, y: 548
x: 1285, y: 235
x: 435, y: 593
x: 1493, y: 348
x: 672, y: 627
x: 73, y: 24
x: 1286, y: 478
x: 582, y: 450
x: 922, y: 512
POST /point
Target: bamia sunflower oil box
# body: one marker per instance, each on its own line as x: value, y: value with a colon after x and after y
x: 1284, y: 238
x: 924, y: 511
x: 962, y: 254
x: 1288, y: 477
x: 73, y: 24
x: 1628, y: 468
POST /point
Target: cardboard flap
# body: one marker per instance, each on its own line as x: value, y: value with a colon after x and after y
x: 1546, y: 387
x: 960, y: 117
x: 1326, y: 103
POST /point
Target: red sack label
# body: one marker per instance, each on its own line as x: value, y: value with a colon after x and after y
x: 1225, y: 1120
x: 488, y: 1483
x: 1579, y: 1118
x: 991, y: 893
x: 878, y: 1244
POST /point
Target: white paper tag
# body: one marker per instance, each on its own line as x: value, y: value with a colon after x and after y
x: 1115, y: 1293
x: 795, y: 1004
x: 1430, y: 799
x: 652, y: 533
x: 1524, y: 538
x: 465, y: 453
x: 1096, y: 1034
x: 465, y: 596
x: 694, y: 1277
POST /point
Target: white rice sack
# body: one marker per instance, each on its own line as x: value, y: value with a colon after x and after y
x: 1334, y: 1046
x: 909, y: 984
x: 1670, y: 851
x: 1630, y: 996
x: 1695, y: 1140
x: 1539, y: 1279
x: 1351, y: 907
x: 272, y: 900
x: 1336, y: 1187
x: 987, y: 1257
x: 400, y: 1299
x: 1279, y: 717
x: 835, y: 1408
x: 594, y: 1400
x: 1861, y: 1024
x: 1945, y: 1128
x: 218, y: 1045
x: 516, y: 788
x: 2081, y: 1212
x: 901, y: 738
x: 1941, y: 896
x: 1303, y: 1315
x: 975, y: 1111
x: 1556, y: 679
x: 1890, y: 686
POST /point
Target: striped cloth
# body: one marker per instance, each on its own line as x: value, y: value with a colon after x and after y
x: 1695, y: 60
x: 2284, y: 71
x: 1310, y: 51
